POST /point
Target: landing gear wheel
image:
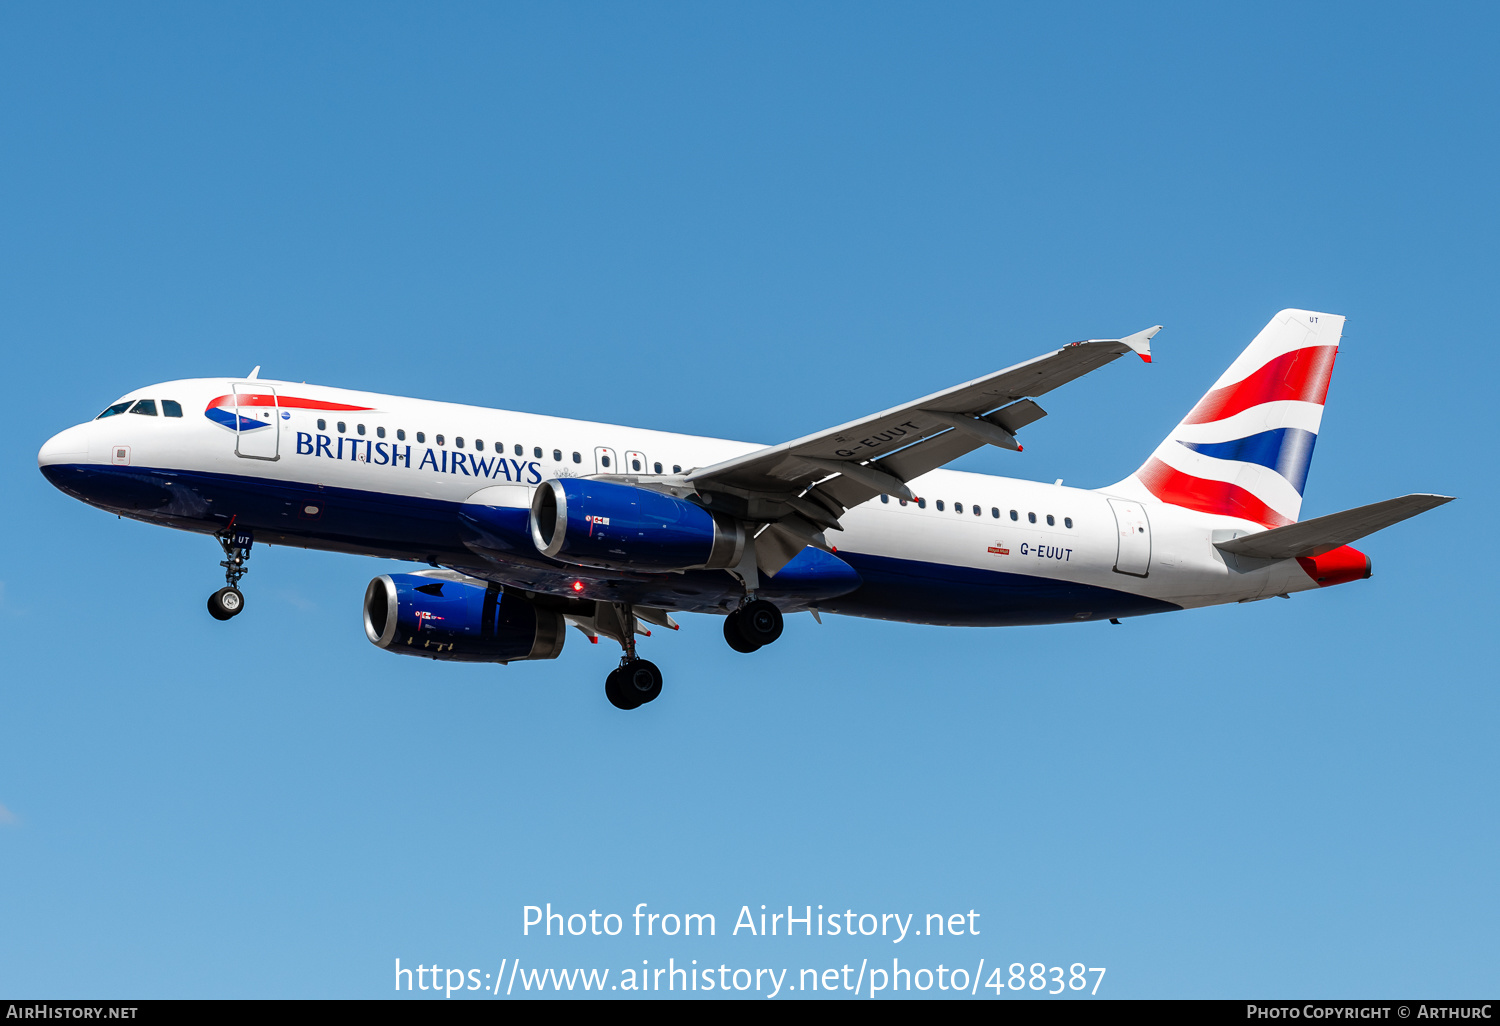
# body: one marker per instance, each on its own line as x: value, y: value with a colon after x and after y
x: 734, y: 637
x: 636, y: 682
x: 615, y: 692
x: 759, y: 623
x: 640, y: 679
x: 225, y: 603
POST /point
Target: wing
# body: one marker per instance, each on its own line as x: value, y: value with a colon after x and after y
x: 800, y: 488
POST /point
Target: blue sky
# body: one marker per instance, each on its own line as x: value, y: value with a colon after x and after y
x: 749, y: 221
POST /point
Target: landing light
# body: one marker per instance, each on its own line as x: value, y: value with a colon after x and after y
x: 577, y: 585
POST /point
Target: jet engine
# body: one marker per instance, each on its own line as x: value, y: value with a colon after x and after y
x: 447, y: 617
x: 620, y: 526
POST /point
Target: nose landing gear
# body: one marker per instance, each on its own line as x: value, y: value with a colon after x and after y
x: 230, y: 601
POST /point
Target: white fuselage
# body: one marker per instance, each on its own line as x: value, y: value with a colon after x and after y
x: 407, y: 453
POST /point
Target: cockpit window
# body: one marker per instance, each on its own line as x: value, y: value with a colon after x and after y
x: 116, y: 408
x: 171, y: 408
x: 146, y: 407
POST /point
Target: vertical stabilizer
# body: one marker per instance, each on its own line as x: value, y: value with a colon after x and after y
x: 1243, y: 451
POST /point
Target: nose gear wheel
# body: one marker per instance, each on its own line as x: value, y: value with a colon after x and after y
x: 225, y: 603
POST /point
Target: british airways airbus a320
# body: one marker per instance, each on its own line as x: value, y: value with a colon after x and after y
x: 531, y: 523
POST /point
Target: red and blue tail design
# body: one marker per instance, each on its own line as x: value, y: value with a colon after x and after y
x: 1244, y: 449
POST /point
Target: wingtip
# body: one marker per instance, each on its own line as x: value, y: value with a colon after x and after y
x: 1140, y: 342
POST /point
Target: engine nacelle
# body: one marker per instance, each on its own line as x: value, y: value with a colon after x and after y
x: 464, y: 621
x: 620, y: 526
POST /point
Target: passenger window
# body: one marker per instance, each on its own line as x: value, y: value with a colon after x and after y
x: 341, y: 427
x: 885, y: 498
x: 114, y: 410
x: 171, y: 408
x: 438, y: 439
x: 676, y: 469
x: 635, y: 465
x: 958, y: 507
x: 322, y: 424
x: 380, y: 432
x: 976, y: 511
x: 921, y: 504
x: 479, y: 444
x: 360, y: 428
x: 1013, y: 515
x: 902, y: 501
x: 537, y: 452
x: 421, y: 436
x: 577, y: 457
x: 1031, y: 517
x: 146, y: 408
x: 557, y: 456
x: 1050, y: 521
x: 995, y: 512
x: 656, y: 467
x: 604, y: 460
x: 520, y: 451
x: 459, y: 441
x: 940, y: 504
x: 1068, y: 522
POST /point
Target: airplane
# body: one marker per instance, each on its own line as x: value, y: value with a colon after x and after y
x: 529, y: 524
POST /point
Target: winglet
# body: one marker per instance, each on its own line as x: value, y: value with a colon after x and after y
x: 1140, y: 342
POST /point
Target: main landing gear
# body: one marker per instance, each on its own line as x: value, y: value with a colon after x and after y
x: 755, y: 624
x: 635, y: 681
x: 229, y: 601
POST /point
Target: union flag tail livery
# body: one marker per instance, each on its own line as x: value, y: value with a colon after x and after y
x: 1243, y: 451
x: 517, y: 527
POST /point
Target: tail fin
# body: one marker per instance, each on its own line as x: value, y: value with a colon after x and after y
x: 1244, y: 449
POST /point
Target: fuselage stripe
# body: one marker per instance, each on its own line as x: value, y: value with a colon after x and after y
x: 290, y: 402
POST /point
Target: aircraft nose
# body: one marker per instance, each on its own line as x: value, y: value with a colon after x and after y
x: 70, y: 446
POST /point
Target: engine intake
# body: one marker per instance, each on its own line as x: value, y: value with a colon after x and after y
x: 462, y: 621
x: 620, y: 526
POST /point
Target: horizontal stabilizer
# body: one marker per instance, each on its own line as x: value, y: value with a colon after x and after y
x: 1324, y: 534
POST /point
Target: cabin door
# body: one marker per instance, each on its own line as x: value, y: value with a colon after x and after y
x: 257, y: 422
x: 1133, y: 556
